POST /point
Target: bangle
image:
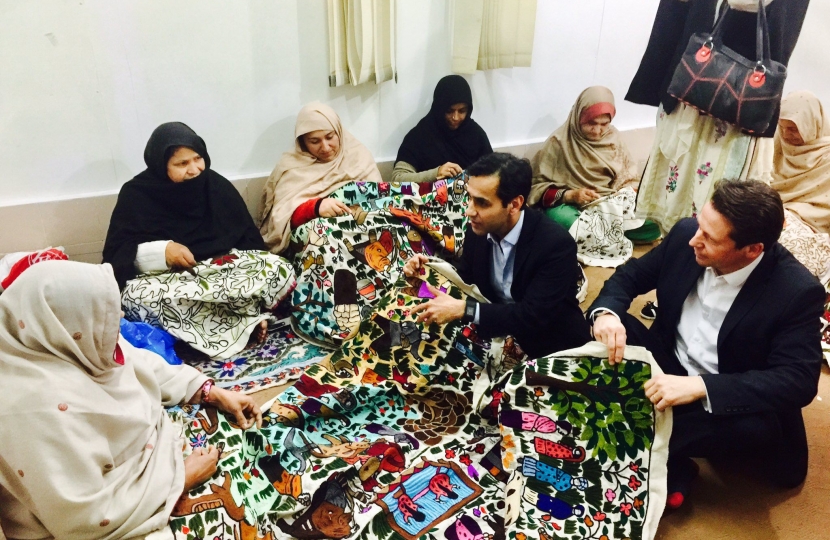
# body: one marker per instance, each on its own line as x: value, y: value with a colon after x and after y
x: 317, y: 206
x: 206, y: 390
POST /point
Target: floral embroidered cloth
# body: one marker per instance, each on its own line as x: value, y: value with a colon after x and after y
x: 215, y: 308
x: 411, y: 431
x: 810, y: 248
x: 600, y: 229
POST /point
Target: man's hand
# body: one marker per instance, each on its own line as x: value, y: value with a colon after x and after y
x: 441, y: 309
x: 580, y: 197
x: 610, y: 331
x: 448, y: 170
x: 333, y: 208
x: 413, y: 266
x: 178, y: 256
x: 199, y: 467
x: 671, y: 390
x: 241, y: 406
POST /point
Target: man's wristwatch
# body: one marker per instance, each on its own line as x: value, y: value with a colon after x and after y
x: 469, y: 311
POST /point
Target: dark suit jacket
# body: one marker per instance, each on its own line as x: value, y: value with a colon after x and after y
x: 546, y: 317
x: 769, y: 347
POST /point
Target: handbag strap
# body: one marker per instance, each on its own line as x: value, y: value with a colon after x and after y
x: 762, y: 46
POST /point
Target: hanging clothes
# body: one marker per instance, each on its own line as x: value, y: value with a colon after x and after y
x: 691, y: 150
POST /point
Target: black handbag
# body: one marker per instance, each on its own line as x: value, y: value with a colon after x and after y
x: 720, y: 82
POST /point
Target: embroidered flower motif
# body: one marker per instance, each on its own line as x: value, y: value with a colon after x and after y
x: 198, y: 440
x: 633, y: 466
x: 633, y: 483
x: 625, y: 508
x: 638, y: 502
x: 599, y: 516
x: 538, y: 392
x: 449, y: 453
x: 610, y: 495
x: 704, y: 171
x: 229, y: 368
x: 465, y: 459
x: 225, y: 259
x: 671, y: 185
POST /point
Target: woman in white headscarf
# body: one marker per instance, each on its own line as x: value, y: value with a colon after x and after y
x: 801, y: 175
x: 325, y: 158
x: 86, y: 448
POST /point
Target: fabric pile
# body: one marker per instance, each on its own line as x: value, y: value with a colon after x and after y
x: 346, y: 263
x: 411, y: 431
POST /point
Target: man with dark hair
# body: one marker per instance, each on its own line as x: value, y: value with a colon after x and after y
x: 521, y: 261
x: 737, y: 335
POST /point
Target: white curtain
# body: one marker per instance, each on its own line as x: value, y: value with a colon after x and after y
x: 361, y: 41
x: 490, y: 34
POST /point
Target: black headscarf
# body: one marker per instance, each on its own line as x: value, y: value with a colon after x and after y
x: 675, y: 23
x: 206, y: 214
x: 432, y: 143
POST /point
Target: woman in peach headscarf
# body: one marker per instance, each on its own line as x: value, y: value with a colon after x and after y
x: 325, y: 158
x: 801, y: 175
x: 585, y: 160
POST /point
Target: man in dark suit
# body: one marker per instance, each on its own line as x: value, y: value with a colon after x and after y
x: 521, y: 261
x: 736, y: 334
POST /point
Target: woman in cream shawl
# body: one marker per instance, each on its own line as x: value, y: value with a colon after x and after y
x: 801, y: 175
x: 585, y: 162
x: 325, y: 158
x: 86, y: 449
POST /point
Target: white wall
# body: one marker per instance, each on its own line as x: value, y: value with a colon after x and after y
x: 84, y: 82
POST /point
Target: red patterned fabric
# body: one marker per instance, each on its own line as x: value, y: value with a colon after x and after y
x: 51, y: 254
x: 551, y: 197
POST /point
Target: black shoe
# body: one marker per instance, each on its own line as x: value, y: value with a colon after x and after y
x: 649, y: 311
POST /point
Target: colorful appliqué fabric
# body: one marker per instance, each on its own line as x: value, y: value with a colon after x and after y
x: 282, y: 358
x: 215, y: 309
x: 397, y: 435
x: 345, y: 264
x: 585, y: 449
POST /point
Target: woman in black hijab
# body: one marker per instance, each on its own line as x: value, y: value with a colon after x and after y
x: 174, y: 214
x: 446, y: 141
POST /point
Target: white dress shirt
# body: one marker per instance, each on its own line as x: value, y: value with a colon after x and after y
x: 702, y: 317
x: 504, y: 256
